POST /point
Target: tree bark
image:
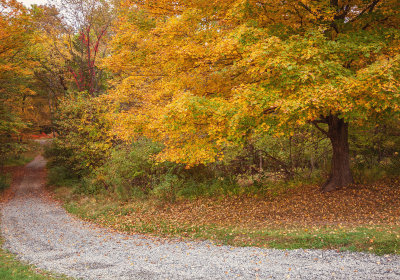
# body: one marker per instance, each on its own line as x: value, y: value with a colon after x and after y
x: 341, y: 175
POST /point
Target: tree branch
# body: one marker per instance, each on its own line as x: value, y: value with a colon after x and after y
x: 369, y: 8
x: 270, y: 110
x: 315, y: 123
x: 307, y: 8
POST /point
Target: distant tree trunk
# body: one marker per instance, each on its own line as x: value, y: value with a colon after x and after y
x: 341, y: 175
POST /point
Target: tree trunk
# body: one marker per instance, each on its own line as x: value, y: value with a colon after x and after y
x: 340, y: 171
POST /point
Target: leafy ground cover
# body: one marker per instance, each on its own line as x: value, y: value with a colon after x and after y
x: 366, y: 218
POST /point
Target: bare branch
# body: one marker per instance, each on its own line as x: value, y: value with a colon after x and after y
x: 315, y: 123
x: 307, y: 8
x: 270, y: 110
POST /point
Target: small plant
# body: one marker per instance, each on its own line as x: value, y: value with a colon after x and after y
x: 168, y: 187
x: 4, y: 182
x: 61, y: 176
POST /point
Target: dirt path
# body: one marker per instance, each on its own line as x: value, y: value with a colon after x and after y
x: 42, y: 233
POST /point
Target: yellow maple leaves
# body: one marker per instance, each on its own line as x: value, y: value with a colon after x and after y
x: 202, y: 76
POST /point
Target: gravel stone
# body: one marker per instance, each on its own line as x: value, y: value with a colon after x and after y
x: 40, y: 232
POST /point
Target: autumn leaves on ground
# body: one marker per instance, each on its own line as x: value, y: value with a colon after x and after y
x: 365, y: 218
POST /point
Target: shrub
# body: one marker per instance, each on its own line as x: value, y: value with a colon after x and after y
x: 61, y: 176
x: 167, y: 187
x: 84, y: 140
x: 130, y: 170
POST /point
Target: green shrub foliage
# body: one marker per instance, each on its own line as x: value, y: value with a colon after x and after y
x: 84, y: 140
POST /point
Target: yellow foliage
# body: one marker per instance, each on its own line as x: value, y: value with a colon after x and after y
x: 200, y: 76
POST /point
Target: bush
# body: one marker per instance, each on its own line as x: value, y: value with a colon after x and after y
x: 167, y: 187
x: 132, y: 172
x: 129, y: 171
x: 61, y: 176
x: 84, y: 140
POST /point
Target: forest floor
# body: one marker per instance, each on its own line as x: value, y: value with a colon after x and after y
x: 40, y: 231
x: 359, y: 218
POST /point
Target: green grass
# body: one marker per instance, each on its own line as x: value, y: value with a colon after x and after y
x: 12, y: 269
x: 18, y: 161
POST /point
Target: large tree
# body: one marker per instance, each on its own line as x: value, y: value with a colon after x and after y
x: 201, y: 76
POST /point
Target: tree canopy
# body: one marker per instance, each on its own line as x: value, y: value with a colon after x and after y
x: 15, y: 73
x: 202, y: 76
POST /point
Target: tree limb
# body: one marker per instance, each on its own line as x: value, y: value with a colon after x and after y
x: 269, y: 110
x: 315, y: 123
x: 307, y: 8
x: 369, y: 8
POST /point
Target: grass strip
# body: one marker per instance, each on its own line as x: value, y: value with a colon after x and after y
x: 13, y: 269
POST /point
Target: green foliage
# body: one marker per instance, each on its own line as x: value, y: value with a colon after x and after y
x: 21, y: 152
x: 375, y: 150
x: 61, y: 176
x: 210, y: 187
x: 84, y: 141
x: 129, y: 171
x: 4, y: 182
x: 14, y: 153
x: 10, y: 125
x: 132, y: 172
x: 58, y: 156
x: 167, y: 187
x: 394, y: 167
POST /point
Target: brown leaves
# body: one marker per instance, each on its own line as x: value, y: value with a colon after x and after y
x: 304, y: 207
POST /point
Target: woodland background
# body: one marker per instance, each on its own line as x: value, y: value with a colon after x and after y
x: 186, y: 99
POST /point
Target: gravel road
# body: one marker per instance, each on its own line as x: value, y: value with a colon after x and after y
x: 42, y: 233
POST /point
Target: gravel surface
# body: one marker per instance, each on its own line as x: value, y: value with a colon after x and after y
x: 42, y: 233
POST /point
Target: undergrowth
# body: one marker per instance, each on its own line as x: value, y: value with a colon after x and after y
x: 4, y: 181
x: 26, y: 153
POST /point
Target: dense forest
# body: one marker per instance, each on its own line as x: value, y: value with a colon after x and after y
x: 183, y: 99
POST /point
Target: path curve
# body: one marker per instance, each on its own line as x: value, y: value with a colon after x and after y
x: 42, y: 233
